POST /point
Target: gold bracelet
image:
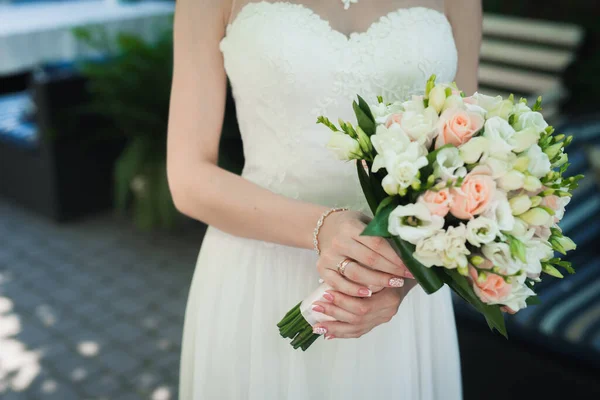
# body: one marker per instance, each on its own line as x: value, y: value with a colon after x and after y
x: 320, y: 224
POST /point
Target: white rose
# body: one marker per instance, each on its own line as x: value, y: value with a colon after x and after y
x: 524, y: 139
x: 500, y: 256
x: 454, y: 101
x: 503, y: 110
x: 517, y: 299
x: 539, y: 164
x: 481, y: 230
x: 520, y: 108
x: 500, y: 163
x: 500, y: 134
x: 416, y: 104
x: 531, y: 119
x: 420, y: 126
x: 448, y: 164
x: 413, y: 222
x: 445, y: 249
x: 475, y: 150
x: 499, y: 211
x: 512, y: 180
x: 486, y: 102
x: 475, y: 108
x: 343, y: 146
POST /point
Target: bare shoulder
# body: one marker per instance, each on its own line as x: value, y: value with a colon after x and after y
x: 463, y: 11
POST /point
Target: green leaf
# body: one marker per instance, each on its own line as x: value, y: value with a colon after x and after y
x: 365, y: 119
x: 533, y: 301
x: 493, y: 315
x: 429, y: 278
x: 365, y: 183
x: 376, y: 186
x: 364, y: 106
x: 385, y: 202
x: 379, y: 225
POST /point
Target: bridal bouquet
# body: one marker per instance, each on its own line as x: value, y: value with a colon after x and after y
x: 469, y: 191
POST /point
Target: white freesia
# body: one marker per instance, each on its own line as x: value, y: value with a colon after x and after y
x: 512, y: 180
x: 537, y: 216
x: 382, y: 111
x: 475, y: 150
x: 437, y: 98
x: 500, y: 255
x: 481, y: 230
x: 392, y: 139
x: 532, y: 184
x: 499, y: 211
x: 343, y: 146
x: 520, y: 228
x: 413, y: 222
x: 520, y: 204
x: 500, y: 163
x: 539, y: 164
x: 524, y: 139
x: 531, y: 119
x: 517, y: 299
x: 420, y: 126
x: 537, y: 251
x: 404, y: 167
x: 500, y: 134
x: 448, y: 164
x: 445, y: 249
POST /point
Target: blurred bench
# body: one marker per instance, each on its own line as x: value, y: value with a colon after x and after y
x: 49, y: 161
x: 527, y: 57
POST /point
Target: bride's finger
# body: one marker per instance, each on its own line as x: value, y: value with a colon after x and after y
x: 341, y: 284
x: 382, y: 246
x: 340, y: 330
x: 372, y: 259
x: 336, y: 312
x: 369, y: 277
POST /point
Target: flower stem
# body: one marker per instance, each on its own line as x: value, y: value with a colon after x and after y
x: 295, y: 327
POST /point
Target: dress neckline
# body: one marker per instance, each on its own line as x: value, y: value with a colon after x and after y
x: 347, y: 37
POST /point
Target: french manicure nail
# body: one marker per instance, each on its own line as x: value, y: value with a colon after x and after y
x: 329, y: 337
x: 318, y: 308
x: 396, y: 282
x: 365, y: 292
x: 319, y: 330
x: 327, y: 296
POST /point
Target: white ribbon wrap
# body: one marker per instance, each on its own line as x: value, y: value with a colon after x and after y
x: 311, y: 316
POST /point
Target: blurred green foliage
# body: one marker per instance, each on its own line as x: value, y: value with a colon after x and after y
x: 580, y: 77
x: 131, y: 89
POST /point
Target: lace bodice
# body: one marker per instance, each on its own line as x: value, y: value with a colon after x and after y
x: 288, y: 65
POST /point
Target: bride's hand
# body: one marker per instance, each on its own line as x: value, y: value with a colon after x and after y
x: 373, y: 261
x: 356, y: 316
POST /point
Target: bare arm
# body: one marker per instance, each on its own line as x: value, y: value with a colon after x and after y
x: 466, y: 20
x: 199, y: 188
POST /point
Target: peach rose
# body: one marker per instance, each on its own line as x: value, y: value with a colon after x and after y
x: 457, y: 126
x: 438, y: 202
x: 393, y: 119
x: 474, y: 195
x: 493, y: 290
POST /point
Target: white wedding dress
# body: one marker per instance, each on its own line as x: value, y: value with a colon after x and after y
x: 289, y: 63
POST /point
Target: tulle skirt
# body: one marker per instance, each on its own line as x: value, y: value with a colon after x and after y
x: 232, y: 348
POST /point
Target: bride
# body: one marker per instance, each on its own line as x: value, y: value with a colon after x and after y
x: 289, y: 62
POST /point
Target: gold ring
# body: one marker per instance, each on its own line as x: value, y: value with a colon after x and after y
x: 341, y: 267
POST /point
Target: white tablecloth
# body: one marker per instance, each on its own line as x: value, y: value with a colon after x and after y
x: 31, y: 34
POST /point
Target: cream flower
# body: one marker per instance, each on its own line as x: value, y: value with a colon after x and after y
x: 481, y: 230
x: 414, y: 222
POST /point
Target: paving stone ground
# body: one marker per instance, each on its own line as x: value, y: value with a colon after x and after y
x: 91, y: 309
